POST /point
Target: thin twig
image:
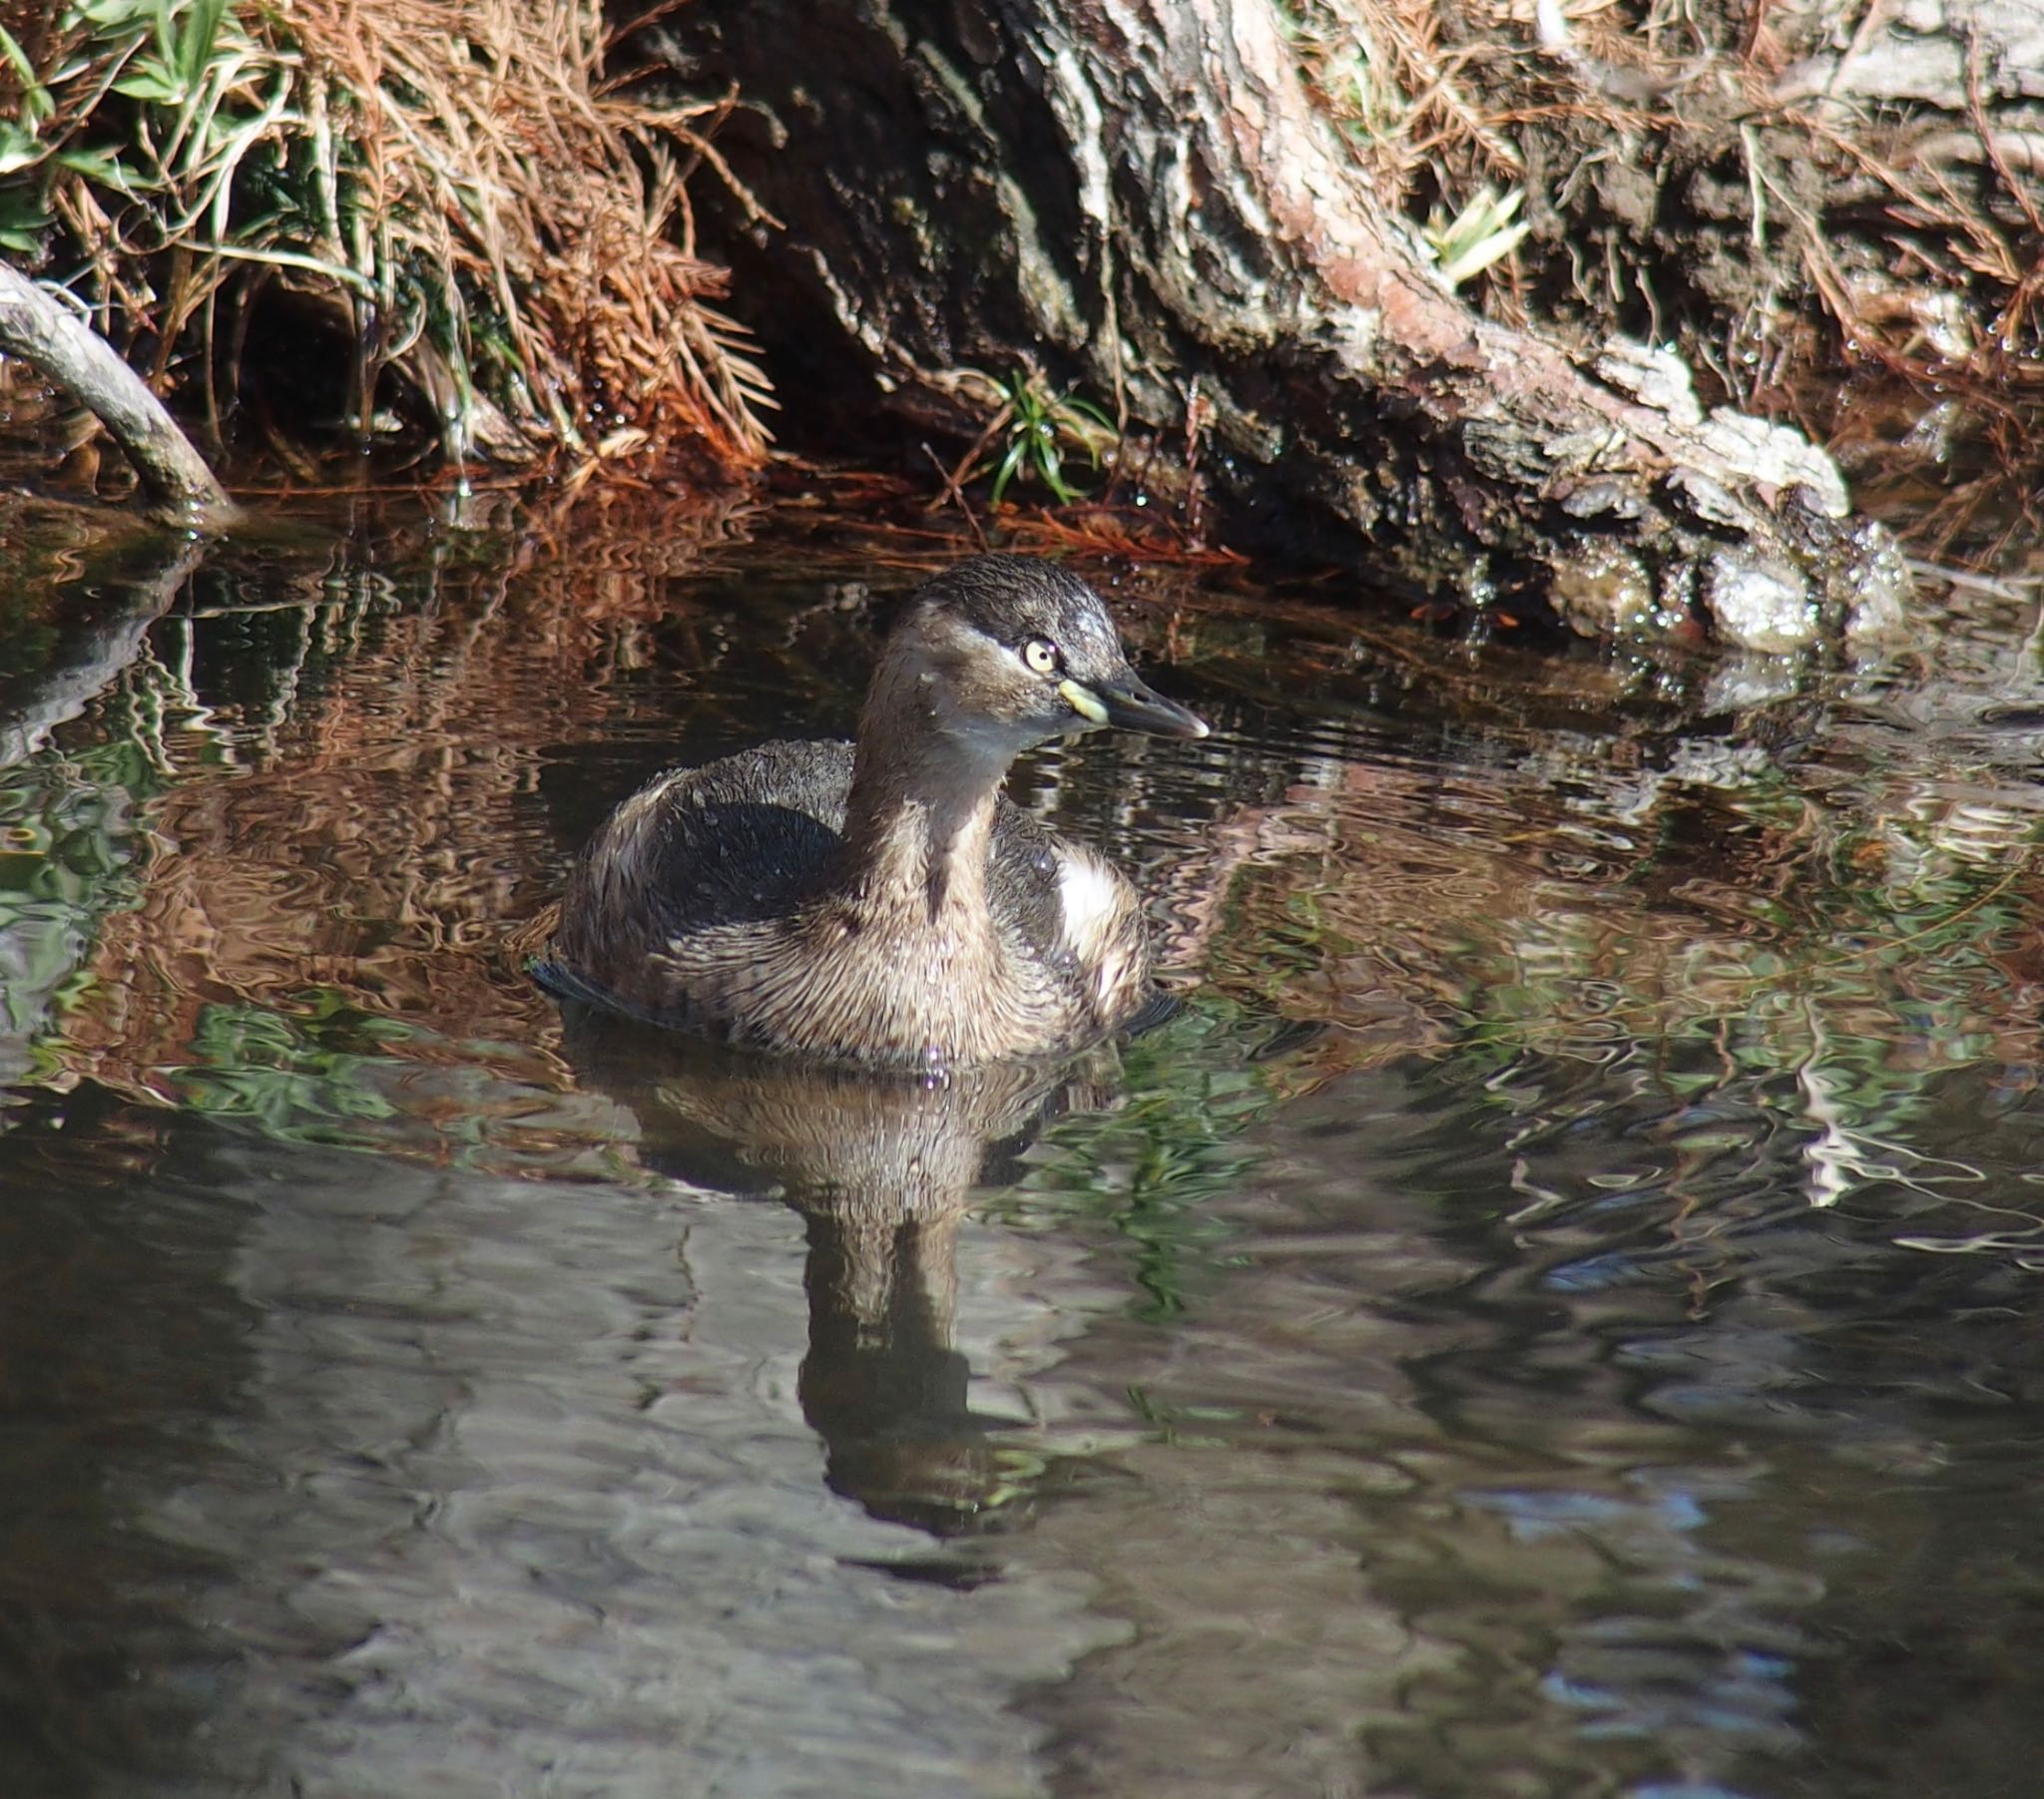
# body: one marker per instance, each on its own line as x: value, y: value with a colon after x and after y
x: 956, y: 494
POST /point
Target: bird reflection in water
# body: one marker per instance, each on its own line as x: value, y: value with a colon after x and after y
x: 881, y: 1168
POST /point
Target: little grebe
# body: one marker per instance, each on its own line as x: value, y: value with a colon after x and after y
x: 884, y: 903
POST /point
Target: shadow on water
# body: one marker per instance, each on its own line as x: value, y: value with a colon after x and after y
x: 1553, y: 1313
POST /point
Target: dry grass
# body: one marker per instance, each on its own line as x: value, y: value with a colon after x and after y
x: 1916, y: 229
x: 552, y: 209
x: 501, y: 228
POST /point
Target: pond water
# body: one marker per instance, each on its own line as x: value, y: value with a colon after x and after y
x: 1555, y: 1312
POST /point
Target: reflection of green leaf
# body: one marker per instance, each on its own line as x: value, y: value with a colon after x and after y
x: 65, y: 860
x: 1169, y: 1420
x: 1151, y: 1168
x: 1866, y: 959
x: 285, y: 1072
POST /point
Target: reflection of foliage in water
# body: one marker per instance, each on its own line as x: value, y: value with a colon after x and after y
x: 1152, y: 1165
x: 99, y: 720
x: 305, y: 1076
x: 319, y: 760
x: 346, y: 746
x: 1738, y: 932
x: 1873, y: 991
x: 67, y: 833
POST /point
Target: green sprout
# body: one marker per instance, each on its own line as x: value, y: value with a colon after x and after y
x: 1040, y: 429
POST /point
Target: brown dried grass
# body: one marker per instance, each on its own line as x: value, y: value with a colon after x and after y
x: 1928, y: 232
x: 499, y: 225
x: 551, y: 206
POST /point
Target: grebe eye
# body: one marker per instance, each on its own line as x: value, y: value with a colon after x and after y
x: 1041, y: 655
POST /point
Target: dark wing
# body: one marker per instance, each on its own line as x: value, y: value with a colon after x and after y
x: 746, y: 838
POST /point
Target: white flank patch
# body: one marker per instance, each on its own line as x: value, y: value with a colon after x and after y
x: 1092, y: 902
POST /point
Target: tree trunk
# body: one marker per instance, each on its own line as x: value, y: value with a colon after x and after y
x: 1142, y: 197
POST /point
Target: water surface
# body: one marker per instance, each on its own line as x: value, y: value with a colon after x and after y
x: 1552, y: 1313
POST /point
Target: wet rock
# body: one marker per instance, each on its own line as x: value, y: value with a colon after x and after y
x: 1603, y: 589
x: 1729, y: 768
x: 1758, y: 602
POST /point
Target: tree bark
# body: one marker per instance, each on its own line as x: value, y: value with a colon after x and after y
x: 1142, y: 197
x: 66, y: 352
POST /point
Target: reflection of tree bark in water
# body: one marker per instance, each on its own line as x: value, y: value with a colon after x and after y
x: 98, y: 632
x: 881, y: 1169
x: 75, y: 640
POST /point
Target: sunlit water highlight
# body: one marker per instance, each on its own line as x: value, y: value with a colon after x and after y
x: 1551, y: 1314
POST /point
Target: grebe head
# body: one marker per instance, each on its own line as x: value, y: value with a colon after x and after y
x: 1006, y: 651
